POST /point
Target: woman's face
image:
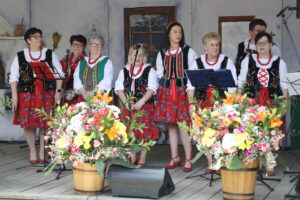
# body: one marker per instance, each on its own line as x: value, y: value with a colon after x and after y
x: 263, y: 46
x: 35, y: 40
x: 212, y: 47
x: 77, y: 47
x: 175, y: 34
x: 139, y: 58
x: 95, y: 47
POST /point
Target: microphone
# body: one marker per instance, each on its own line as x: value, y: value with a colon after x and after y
x: 138, y: 46
x: 283, y: 10
x: 68, y: 51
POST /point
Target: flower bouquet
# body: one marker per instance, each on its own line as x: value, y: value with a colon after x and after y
x: 236, y: 131
x: 91, y: 132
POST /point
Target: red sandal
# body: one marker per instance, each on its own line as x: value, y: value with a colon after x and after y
x: 174, y: 164
x: 188, y: 169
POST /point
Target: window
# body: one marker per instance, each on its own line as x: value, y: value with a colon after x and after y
x: 233, y: 30
x: 147, y: 25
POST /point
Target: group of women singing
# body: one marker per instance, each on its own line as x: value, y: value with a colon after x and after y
x: 163, y: 94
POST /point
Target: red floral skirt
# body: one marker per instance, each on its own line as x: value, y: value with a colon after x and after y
x: 150, y: 131
x: 169, y: 110
x: 25, y: 115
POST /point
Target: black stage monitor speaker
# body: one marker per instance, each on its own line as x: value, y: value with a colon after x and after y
x: 149, y: 182
x: 297, y: 187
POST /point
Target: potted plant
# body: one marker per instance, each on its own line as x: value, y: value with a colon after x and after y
x: 238, y: 134
x: 88, y: 134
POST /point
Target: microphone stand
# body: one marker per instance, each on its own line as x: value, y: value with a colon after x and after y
x: 282, y: 15
x: 65, y: 82
x: 260, y: 177
x: 62, y: 167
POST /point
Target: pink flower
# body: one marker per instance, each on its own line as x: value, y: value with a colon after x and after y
x: 96, y: 143
x: 97, y: 155
x: 261, y: 134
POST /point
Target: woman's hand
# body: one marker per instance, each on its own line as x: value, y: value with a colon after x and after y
x: 71, y: 95
x: 57, y: 97
x: 138, y: 105
x: 14, y: 101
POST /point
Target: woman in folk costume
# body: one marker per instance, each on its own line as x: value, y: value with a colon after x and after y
x: 172, y: 100
x: 212, y: 59
x: 94, y: 71
x: 30, y: 90
x: 264, y: 75
x: 139, y: 80
x: 69, y: 64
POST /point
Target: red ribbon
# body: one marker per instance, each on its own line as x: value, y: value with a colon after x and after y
x: 39, y: 97
x: 173, y: 89
x: 263, y: 96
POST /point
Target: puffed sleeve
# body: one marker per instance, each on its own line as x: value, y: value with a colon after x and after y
x: 14, y: 71
x: 77, y: 82
x: 194, y: 66
x: 232, y: 68
x: 243, y: 74
x: 57, y: 65
x: 106, y: 82
x: 119, y: 84
x: 152, y: 81
x: 282, y: 74
x: 159, y: 66
x: 191, y: 57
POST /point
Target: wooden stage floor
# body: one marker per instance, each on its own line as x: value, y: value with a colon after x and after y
x: 19, y: 180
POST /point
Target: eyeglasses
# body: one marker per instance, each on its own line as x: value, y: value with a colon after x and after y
x: 263, y: 43
x: 37, y: 36
x: 77, y: 44
x: 95, y: 45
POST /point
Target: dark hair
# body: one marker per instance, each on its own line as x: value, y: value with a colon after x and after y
x: 79, y: 38
x: 168, y: 29
x: 256, y: 22
x: 263, y: 34
x: 31, y: 31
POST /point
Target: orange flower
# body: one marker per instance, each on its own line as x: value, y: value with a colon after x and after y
x: 197, y: 120
x: 112, y: 133
x: 275, y: 122
x: 245, y: 160
x: 102, y: 97
x: 229, y: 99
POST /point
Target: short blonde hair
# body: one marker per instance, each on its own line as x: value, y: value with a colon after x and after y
x: 141, y: 49
x: 211, y: 36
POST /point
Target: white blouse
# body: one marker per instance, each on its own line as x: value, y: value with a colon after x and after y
x: 105, y: 83
x: 14, y: 73
x: 152, y: 78
x: 230, y: 66
x: 159, y: 62
x: 244, y: 69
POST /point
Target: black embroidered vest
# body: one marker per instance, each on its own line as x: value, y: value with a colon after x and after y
x: 252, y: 79
x: 141, y: 84
x: 26, y: 79
x: 200, y: 92
x: 180, y: 61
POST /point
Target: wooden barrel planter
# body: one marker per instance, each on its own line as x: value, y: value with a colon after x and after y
x: 239, y: 183
x: 87, y: 180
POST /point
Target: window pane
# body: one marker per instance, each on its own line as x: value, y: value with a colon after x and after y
x: 139, y: 23
x: 157, y: 40
x: 158, y: 22
x: 139, y: 38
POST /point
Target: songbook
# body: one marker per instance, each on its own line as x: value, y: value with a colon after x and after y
x: 210, y: 78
